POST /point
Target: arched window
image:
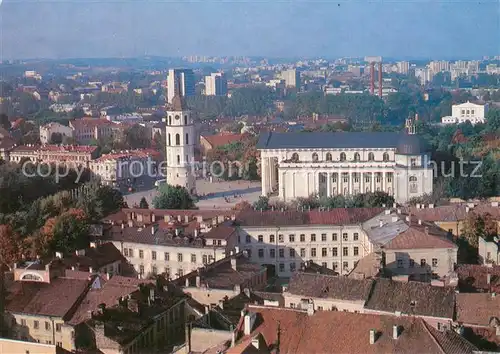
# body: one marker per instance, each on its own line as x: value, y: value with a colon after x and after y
x: 169, y: 120
x: 169, y: 140
x: 177, y: 139
x: 185, y: 120
x: 328, y: 156
x: 315, y: 157
x: 342, y: 156
x: 295, y: 157
x: 371, y: 156
x: 385, y: 157
x: 31, y: 276
x: 413, y: 179
x: 187, y: 139
x: 178, y: 159
x: 356, y: 157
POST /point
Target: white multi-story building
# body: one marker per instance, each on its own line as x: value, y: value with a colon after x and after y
x: 461, y: 113
x: 339, y: 238
x: 181, y: 140
x: 438, y: 66
x: 327, y: 164
x: 291, y: 77
x: 216, y: 85
x: 403, y: 67
x: 180, y: 81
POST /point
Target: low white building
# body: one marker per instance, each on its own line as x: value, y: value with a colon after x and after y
x: 47, y: 130
x: 122, y: 168
x: 461, y: 113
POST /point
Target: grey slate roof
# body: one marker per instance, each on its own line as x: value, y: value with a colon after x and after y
x: 403, y: 143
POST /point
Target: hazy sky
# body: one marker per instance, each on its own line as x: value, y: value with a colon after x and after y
x: 124, y: 28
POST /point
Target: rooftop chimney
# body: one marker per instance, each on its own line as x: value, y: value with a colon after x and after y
x: 372, y: 336
x: 488, y: 278
x: 177, y: 232
x: 186, y: 219
x: 59, y: 255
x: 395, y: 219
x: 233, y: 263
x: 152, y: 230
x: 431, y: 206
x: 198, y: 281
x: 123, y: 225
x: 249, y: 322
x: 195, y: 232
x: 381, y: 223
x: 310, y: 308
x: 387, y: 211
x: 395, y: 332
x: 91, y: 270
x: 255, y: 341
x: 187, y: 283
x: 131, y: 223
x: 167, y: 218
x: 420, y: 221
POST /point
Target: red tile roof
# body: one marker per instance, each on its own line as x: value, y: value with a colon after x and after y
x: 338, y: 216
x: 88, y: 122
x: 328, y: 286
x: 474, y: 277
x: 55, y: 148
x: 343, y: 332
x: 47, y: 299
x: 222, y: 139
x: 109, y: 294
x: 95, y: 257
x: 421, y: 236
x: 477, y: 309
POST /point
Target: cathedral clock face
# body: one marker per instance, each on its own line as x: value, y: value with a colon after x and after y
x: 177, y: 117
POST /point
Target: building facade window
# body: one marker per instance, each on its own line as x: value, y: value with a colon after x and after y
x: 345, y: 236
x: 302, y: 252
x: 281, y: 238
x: 291, y: 238
x: 272, y: 253
x: 193, y: 258
x: 302, y: 238
x: 328, y: 156
x: 313, y: 252
x: 371, y: 156
x: 141, y: 254
x: 292, y: 253
x: 167, y: 256
x: 434, y: 262
x: 260, y: 253
x: 153, y: 255
x: 315, y: 157
x: 345, y: 251
x: 271, y: 238
x: 334, y: 237
x: 282, y: 267
x: 248, y: 239
x: 260, y: 238
x: 355, y: 236
x: 423, y: 262
x: 323, y: 237
x: 342, y: 156
x: 324, y: 252
x: 179, y: 257
x: 292, y: 267
x: 334, y: 252
x: 313, y: 237
x: 281, y: 252
x: 400, y: 263
x: 356, y: 251
x: 412, y: 263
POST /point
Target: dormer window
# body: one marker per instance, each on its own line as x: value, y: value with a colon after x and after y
x: 315, y: 157
x: 328, y: 156
x: 342, y: 156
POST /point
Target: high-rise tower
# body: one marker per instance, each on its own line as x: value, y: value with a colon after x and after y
x: 181, y: 140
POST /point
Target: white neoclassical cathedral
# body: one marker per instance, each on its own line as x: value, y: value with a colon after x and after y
x: 328, y: 164
x: 181, y: 140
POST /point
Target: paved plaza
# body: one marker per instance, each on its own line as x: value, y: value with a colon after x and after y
x: 216, y: 195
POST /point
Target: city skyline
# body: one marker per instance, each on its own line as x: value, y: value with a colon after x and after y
x: 418, y: 29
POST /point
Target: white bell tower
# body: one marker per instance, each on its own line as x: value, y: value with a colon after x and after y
x: 181, y: 140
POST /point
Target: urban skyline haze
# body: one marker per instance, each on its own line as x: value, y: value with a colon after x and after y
x: 108, y: 28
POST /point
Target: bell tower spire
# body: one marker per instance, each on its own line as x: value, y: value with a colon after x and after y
x: 180, y: 144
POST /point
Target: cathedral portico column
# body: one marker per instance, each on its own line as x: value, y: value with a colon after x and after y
x: 362, y: 183
x: 373, y: 182
x: 351, y: 181
x: 264, y: 175
x: 384, y: 187
x: 329, y: 184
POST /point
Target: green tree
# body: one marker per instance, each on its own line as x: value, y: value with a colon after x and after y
x: 262, y: 203
x: 173, y: 197
x: 143, y: 204
x: 4, y: 121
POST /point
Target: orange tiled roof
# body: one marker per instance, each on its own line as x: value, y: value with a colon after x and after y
x: 222, y: 139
